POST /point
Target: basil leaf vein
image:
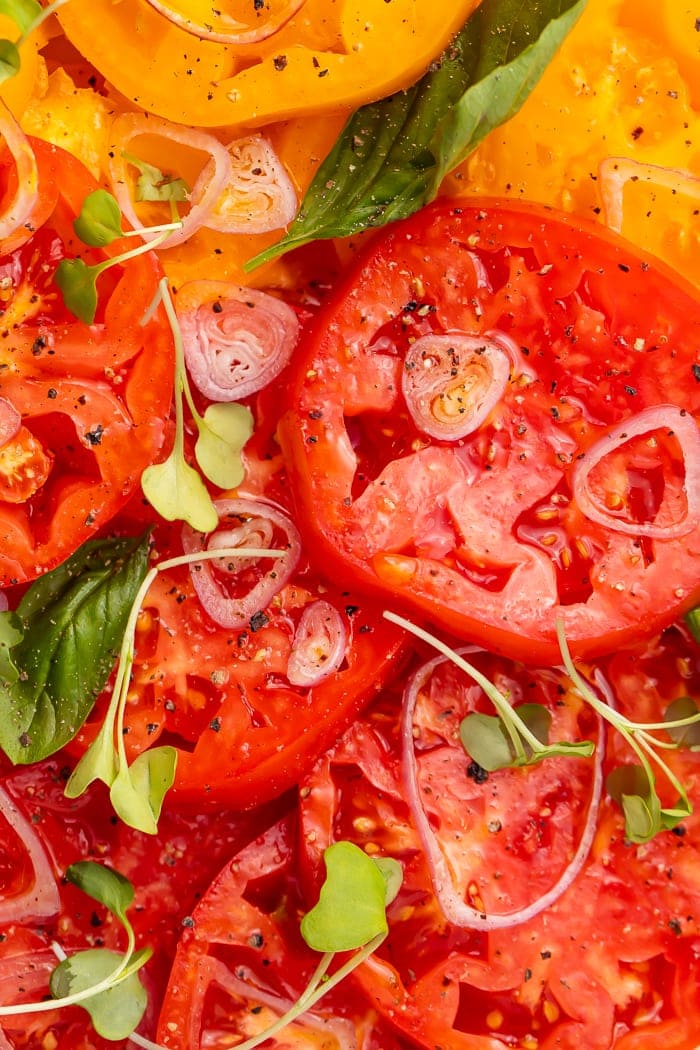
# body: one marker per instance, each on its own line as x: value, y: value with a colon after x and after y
x: 59, y: 647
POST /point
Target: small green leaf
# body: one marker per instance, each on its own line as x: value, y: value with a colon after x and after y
x: 684, y: 736
x: 393, y: 876
x: 223, y: 432
x: 10, y: 61
x: 177, y: 492
x: 485, y: 742
x: 100, y: 220
x: 351, y: 906
x: 632, y: 788
x: 23, y: 12
x: 76, y: 281
x: 98, y: 763
x: 72, y: 620
x: 11, y: 634
x: 393, y: 154
x: 115, y: 1012
x: 153, y: 185
x: 138, y: 790
x: 103, y: 884
x: 486, y: 739
x: 692, y: 618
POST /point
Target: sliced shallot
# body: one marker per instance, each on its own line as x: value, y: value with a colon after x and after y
x: 215, y: 173
x: 16, y: 212
x: 319, y: 645
x: 452, y: 382
x: 670, y: 419
x: 615, y: 172
x: 212, y: 23
x: 10, y: 421
x: 236, y: 340
x: 259, y: 196
x: 233, y: 591
x: 40, y: 899
x: 454, y: 908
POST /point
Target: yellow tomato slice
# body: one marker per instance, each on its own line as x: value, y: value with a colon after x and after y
x: 331, y: 54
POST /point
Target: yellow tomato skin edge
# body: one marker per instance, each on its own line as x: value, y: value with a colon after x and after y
x: 18, y: 90
x: 333, y: 54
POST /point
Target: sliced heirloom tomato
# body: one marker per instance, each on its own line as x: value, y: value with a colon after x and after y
x: 242, y: 963
x: 607, y: 962
x: 249, y: 667
x: 41, y: 833
x: 494, y: 424
x: 92, y: 401
x: 317, y: 57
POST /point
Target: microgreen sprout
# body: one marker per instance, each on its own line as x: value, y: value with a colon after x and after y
x: 153, y: 185
x: 518, y: 736
x: 692, y: 618
x: 97, y: 225
x: 102, y: 981
x: 634, y: 786
x: 350, y: 916
x: 137, y: 791
x: 28, y: 16
x: 175, y: 488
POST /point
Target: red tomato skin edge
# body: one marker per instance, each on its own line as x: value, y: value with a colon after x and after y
x: 293, y: 434
x: 300, y: 745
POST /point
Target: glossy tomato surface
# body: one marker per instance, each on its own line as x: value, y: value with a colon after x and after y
x: 94, y: 400
x: 547, y: 508
x: 245, y: 727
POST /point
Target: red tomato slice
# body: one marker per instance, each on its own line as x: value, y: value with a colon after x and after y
x: 578, y: 336
x: 94, y: 399
x: 41, y: 833
x: 242, y: 962
x: 610, y: 960
x: 244, y: 731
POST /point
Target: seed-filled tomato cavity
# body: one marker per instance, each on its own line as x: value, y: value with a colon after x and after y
x: 507, y: 435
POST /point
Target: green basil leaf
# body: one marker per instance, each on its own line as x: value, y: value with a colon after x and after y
x: 115, y: 1012
x: 23, y: 12
x: 10, y: 60
x: 393, y: 154
x: 72, y: 621
x: 351, y: 908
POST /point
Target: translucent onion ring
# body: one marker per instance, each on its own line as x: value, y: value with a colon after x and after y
x: 236, y: 612
x: 16, y: 213
x: 452, y: 905
x: 319, y: 645
x: 656, y: 417
x: 10, y: 421
x: 452, y: 382
x: 341, y: 1029
x: 236, y: 340
x: 230, y: 31
x: 207, y: 189
x: 614, y: 172
x: 260, y: 196
x: 40, y: 900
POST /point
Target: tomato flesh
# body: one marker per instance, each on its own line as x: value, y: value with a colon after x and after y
x: 484, y: 535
